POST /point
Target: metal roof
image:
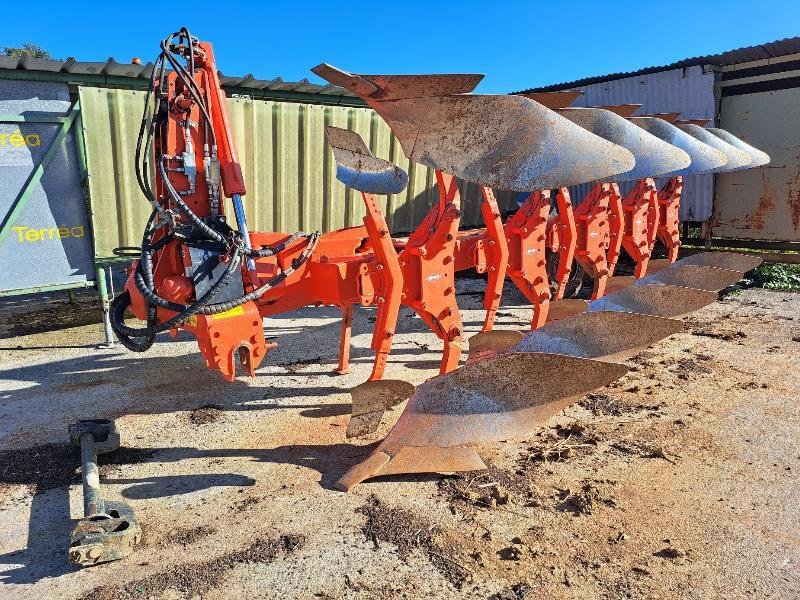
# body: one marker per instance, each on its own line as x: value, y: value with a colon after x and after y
x: 114, y: 74
x: 732, y: 57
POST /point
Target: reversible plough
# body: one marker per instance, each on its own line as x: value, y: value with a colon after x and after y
x: 216, y: 280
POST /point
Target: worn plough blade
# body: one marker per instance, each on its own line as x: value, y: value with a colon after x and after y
x: 693, y: 276
x: 503, y: 142
x: 732, y: 261
x: 371, y: 400
x: 660, y: 300
x: 737, y: 159
x: 492, y: 342
x: 759, y: 158
x: 357, y: 168
x: 561, y: 309
x: 603, y: 335
x: 653, y: 155
x: 704, y: 158
x: 497, y: 399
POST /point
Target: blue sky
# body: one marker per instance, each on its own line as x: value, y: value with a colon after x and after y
x: 516, y: 44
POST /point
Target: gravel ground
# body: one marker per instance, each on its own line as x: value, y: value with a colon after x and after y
x: 678, y: 481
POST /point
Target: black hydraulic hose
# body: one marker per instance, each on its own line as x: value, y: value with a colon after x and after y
x: 210, y: 309
x: 123, y: 301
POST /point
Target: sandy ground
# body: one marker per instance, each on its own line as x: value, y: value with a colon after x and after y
x: 679, y: 481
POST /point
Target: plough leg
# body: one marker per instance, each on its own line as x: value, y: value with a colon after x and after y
x: 592, y: 223
x: 526, y: 233
x: 344, y: 340
x: 639, y: 207
x: 428, y: 266
x: 562, y: 238
x: 616, y: 228
x: 498, y: 257
x: 669, y: 199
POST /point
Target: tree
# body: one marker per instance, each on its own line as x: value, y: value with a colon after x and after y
x: 29, y: 48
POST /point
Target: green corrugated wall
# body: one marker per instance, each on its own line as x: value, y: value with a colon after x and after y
x: 289, y: 169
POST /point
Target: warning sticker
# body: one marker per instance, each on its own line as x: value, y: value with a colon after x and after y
x: 238, y: 310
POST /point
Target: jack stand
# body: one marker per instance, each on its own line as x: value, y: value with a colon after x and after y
x: 108, y: 530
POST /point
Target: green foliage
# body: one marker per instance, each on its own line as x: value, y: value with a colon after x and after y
x: 774, y: 276
x: 29, y: 48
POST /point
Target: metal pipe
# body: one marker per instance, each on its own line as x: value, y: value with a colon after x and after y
x: 241, y: 223
x: 92, y: 502
x: 102, y: 288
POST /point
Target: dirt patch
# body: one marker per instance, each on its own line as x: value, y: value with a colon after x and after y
x: 686, y: 368
x: 299, y: 365
x: 561, y: 444
x: 53, y: 316
x: 194, y: 579
x: 586, y: 499
x: 186, y: 536
x: 409, y: 532
x: 41, y: 468
x: 719, y: 333
x: 50, y: 466
x: 489, y: 489
x: 518, y: 591
x: 205, y: 414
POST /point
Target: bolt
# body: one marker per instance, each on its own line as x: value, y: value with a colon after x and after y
x: 95, y: 552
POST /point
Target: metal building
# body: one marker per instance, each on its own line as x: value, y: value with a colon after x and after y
x: 752, y: 92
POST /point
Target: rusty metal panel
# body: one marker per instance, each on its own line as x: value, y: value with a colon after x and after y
x: 689, y: 90
x: 289, y: 169
x: 762, y: 203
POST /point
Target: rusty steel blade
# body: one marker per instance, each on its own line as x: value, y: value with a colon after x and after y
x: 554, y: 100
x: 566, y: 307
x: 497, y: 399
x: 704, y: 157
x: 357, y: 168
x: 371, y: 400
x: 732, y: 261
x: 492, y: 342
x: 604, y: 335
x: 504, y: 142
x: 660, y: 300
x: 759, y: 158
x: 737, y: 159
x: 623, y: 110
x: 396, y: 87
x: 712, y: 279
x: 619, y: 282
x: 653, y: 155
x: 657, y: 264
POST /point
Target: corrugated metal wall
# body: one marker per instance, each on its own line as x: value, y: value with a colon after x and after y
x: 764, y: 203
x: 690, y: 91
x: 288, y: 166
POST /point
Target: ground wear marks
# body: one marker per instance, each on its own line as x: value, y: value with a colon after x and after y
x: 194, y: 579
